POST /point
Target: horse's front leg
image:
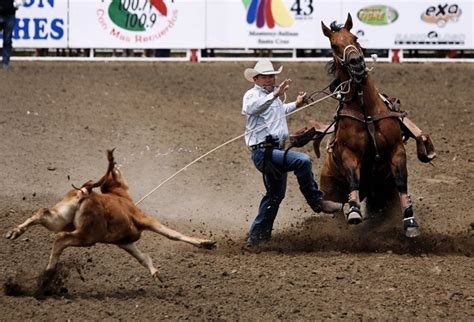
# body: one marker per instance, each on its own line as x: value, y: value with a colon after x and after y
x: 398, y: 166
x: 351, y: 164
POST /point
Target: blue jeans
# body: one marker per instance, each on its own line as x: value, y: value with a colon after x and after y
x: 7, y: 24
x: 300, y: 164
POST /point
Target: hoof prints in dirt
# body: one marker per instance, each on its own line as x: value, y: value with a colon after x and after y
x: 324, y: 234
x: 48, y: 283
x: 397, y: 243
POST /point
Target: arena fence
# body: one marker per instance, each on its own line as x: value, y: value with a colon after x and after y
x: 232, y: 55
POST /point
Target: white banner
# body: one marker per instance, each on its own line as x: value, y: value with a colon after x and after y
x: 136, y: 23
x: 409, y: 24
x: 268, y: 24
x: 41, y: 24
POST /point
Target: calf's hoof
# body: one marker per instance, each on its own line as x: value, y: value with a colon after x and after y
x: 157, y: 277
x: 208, y: 244
x: 14, y: 233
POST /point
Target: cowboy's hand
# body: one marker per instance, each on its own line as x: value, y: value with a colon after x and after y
x: 300, y: 99
x: 280, y: 90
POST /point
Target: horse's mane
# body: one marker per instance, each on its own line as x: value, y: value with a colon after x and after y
x: 331, y: 67
x: 335, y: 26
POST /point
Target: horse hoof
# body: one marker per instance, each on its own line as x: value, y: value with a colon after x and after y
x: 411, y: 227
x: 354, y: 217
x: 412, y: 232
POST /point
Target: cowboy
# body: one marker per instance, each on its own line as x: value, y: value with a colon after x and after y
x: 266, y: 132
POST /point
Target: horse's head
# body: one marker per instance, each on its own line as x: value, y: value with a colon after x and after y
x: 346, y: 50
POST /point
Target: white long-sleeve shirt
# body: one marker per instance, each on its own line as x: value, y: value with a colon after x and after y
x: 261, y: 107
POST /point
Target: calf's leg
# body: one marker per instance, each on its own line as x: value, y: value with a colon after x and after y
x: 154, y: 225
x: 142, y: 258
x: 64, y: 240
x: 44, y: 217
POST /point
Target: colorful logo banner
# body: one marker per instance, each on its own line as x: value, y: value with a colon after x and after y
x: 270, y: 12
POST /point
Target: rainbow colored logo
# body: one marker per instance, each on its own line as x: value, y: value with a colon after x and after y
x: 270, y: 11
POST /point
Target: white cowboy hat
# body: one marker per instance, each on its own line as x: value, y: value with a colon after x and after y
x: 262, y: 67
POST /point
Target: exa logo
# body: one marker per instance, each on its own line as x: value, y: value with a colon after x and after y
x: 441, y: 14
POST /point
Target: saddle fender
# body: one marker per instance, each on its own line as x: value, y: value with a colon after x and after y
x: 424, y: 146
x: 315, y: 131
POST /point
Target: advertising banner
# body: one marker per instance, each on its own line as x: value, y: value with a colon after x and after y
x: 408, y: 24
x: 436, y: 25
x: 253, y: 24
x: 41, y: 24
x: 137, y: 23
x: 269, y: 24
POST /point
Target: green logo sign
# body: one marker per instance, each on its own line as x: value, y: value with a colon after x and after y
x: 377, y: 15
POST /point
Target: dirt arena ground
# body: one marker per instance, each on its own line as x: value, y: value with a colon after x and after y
x: 58, y: 119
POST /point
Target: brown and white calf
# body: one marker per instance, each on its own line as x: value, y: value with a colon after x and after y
x: 84, y: 217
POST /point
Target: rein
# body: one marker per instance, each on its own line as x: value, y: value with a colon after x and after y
x: 368, y: 120
x: 336, y: 93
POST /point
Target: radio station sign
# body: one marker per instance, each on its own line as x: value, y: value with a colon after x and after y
x: 137, y: 23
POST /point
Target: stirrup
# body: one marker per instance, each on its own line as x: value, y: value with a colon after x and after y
x: 354, y: 216
x: 411, y: 227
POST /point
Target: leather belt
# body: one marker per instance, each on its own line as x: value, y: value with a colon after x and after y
x: 263, y: 145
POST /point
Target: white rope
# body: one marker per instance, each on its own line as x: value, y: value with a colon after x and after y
x: 242, y: 135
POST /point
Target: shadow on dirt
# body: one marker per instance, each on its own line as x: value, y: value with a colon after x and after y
x: 48, y: 283
x: 53, y: 284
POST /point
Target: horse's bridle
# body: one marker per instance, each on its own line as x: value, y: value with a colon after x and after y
x: 356, y: 75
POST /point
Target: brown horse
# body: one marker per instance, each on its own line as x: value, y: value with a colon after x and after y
x: 367, y: 156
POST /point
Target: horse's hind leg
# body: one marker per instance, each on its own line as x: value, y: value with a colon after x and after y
x: 333, y: 189
x: 400, y: 174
